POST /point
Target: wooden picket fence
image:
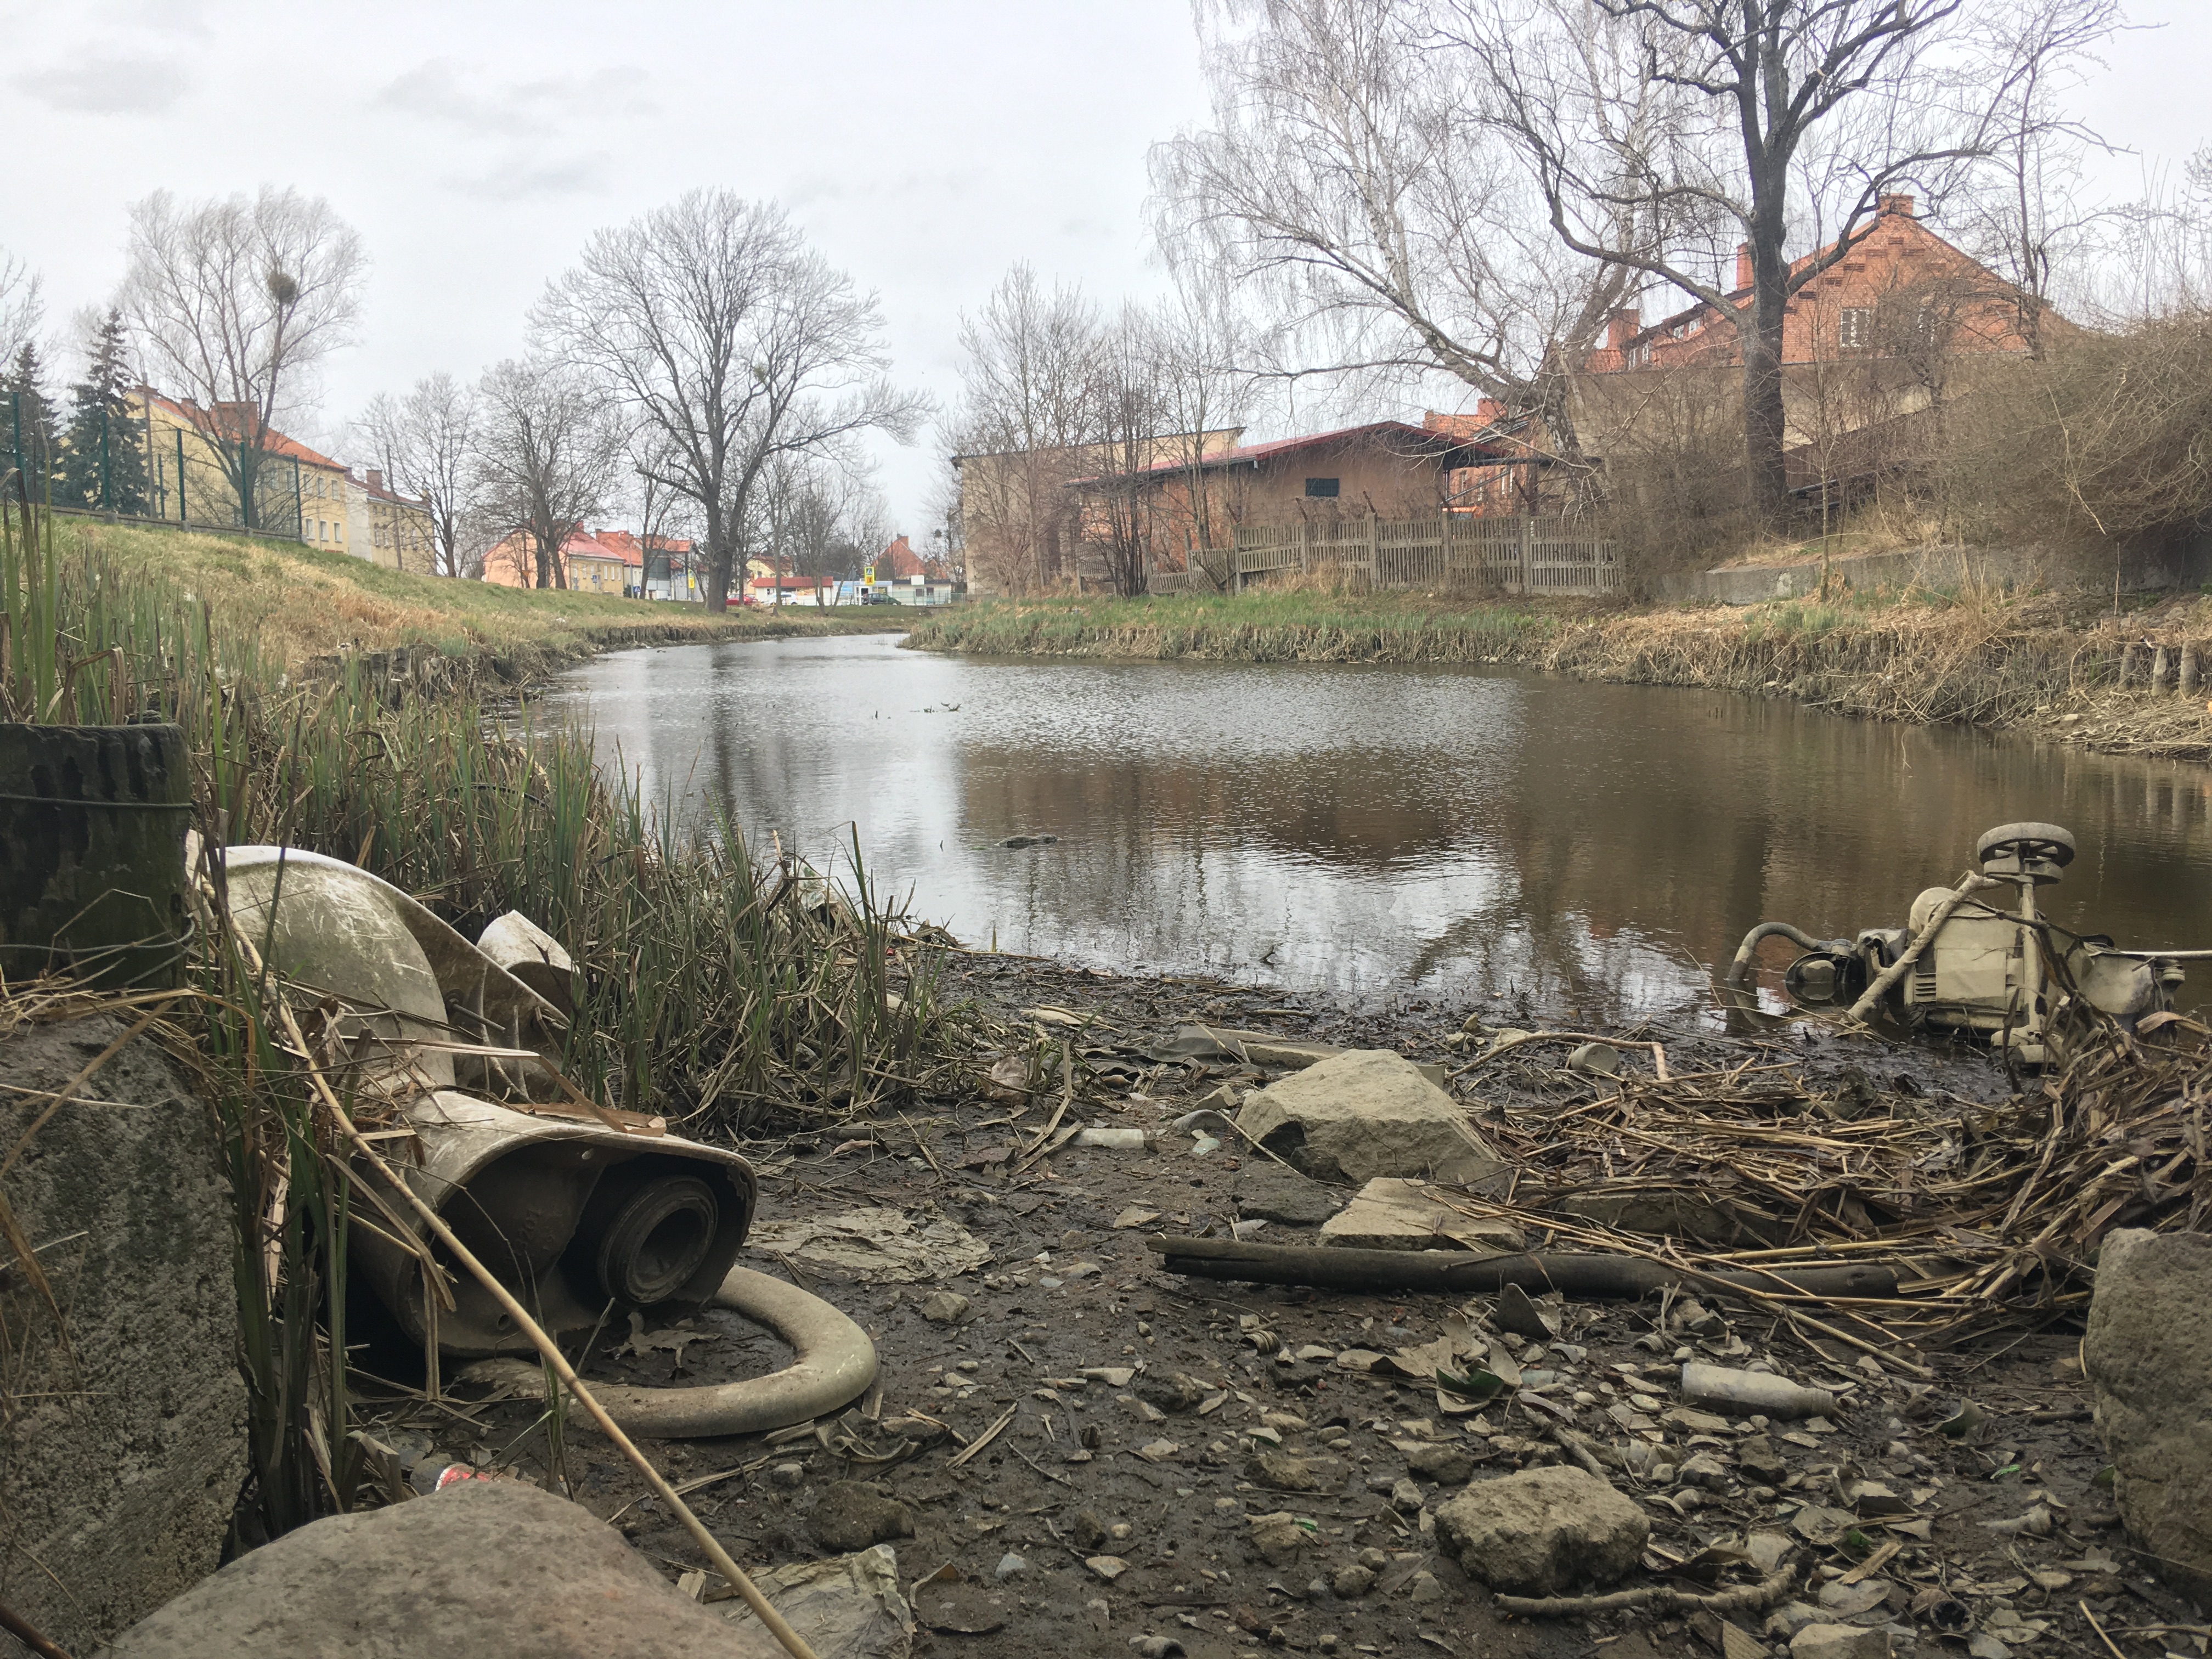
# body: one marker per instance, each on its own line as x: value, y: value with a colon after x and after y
x: 1510, y: 555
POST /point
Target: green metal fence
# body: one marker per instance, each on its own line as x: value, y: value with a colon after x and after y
x: 123, y: 466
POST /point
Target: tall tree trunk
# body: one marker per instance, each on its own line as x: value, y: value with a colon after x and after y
x: 1766, y: 421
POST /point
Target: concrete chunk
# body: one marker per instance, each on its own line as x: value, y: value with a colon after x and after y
x: 1367, y: 1113
x: 1542, y: 1531
x: 1390, y: 1215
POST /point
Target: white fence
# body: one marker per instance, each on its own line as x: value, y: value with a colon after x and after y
x: 1510, y: 555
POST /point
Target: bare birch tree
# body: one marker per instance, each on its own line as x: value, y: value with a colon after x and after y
x: 716, y: 329
x: 426, y: 443
x: 547, y: 457
x: 233, y: 303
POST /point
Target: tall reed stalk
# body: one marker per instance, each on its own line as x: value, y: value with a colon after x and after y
x: 722, y: 994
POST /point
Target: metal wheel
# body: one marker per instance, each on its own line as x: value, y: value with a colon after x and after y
x: 2044, y: 843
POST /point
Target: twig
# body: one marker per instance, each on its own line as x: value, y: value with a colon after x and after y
x: 983, y: 1439
x: 1744, y: 1598
x: 2100, y: 1629
x: 1039, y: 1467
x: 12, y: 1622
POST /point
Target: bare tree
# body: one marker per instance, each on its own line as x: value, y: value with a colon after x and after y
x: 1129, y: 418
x: 547, y: 457
x: 234, y: 301
x: 1345, y: 181
x: 1198, y: 342
x: 722, y: 334
x: 22, y: 305
x: 1749, y: 121
x: 426, y: 444
x: 1019, y: 434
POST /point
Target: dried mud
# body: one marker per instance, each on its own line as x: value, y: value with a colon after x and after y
x: 1156, y: 1471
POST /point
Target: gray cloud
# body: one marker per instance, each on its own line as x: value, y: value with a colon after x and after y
x: 441, y: 89
x: 106, y: 83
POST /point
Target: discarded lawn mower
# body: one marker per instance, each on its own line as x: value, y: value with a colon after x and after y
x: 1961, y: 964
x: 586, y: 1214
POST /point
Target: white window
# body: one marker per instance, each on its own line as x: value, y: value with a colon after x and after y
x: 1855, y: 332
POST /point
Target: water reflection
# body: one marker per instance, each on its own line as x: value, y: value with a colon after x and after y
x: 1373, y: 830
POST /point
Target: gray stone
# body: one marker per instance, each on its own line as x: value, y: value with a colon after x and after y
x: 125, y: 1449
x: 1171, y: 1391
x: 2149, y: 1356
x: 1541, y: 1531
x: 851, y: 1516
x: 1352, y: 1581
x: 1423, y: 1588
x: 1390, y: 1213
x: 1440, y: 1461
x: 495, y: 1569
x: 1838, y: 1642
x: 1406, y: 1497
x: 788, y: 1475
x: 1368, y: 1113
x: 945, y: 1308
x: 1280, y: 1471
x: 1278, y: 1537
x: 1267, y: 1191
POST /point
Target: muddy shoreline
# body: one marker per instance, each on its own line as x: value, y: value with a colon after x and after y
x: 1117, y: 1507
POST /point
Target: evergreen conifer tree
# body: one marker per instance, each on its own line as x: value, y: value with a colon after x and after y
x: 103, y: 463
x: 29, y: 422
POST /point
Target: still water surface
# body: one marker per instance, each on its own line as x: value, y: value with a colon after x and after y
x: 1371, y: 830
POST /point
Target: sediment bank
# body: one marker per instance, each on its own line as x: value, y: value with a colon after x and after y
x: 2046, y: 663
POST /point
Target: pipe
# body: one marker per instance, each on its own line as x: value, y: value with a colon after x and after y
x: 1336, y: 1268
x: 835, y: 1362
x: 1759, y: 935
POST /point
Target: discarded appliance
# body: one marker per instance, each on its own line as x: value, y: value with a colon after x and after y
x: 573, y: 1205
x: 1969, y: 963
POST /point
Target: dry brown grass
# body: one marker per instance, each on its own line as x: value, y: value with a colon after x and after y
x: 302, y: 603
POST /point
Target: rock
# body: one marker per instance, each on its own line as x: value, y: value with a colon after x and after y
x: 1087, y: 1529
x: 1542, y: 1530
x: 788, y: 1475
x: 1266, y: 1191
x: 1839, y: 1642
x: 495, y: 1569
x: 1280, y: 1471
x: 1756, y: 1456
x: 1278, y: 1537
x: 1786, y: 1621
x: 1368, y: 1113
x: 1423, y: 1588
x: 125, y: 1447
x: 1439, y: 1461
x: 851, y: 1516
x: 1390, y: 1213
x: 2148, y: 1358
x: 1171, y: 1391
x: 1705, y: 1470
x: 1352, y: 1581
x: 1009, y: 1566
x: 1404, y: 1497
x: 945, y: 1308
x: 1108, y: 1567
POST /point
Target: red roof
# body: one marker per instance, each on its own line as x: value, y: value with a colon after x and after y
x: 230, y: 421
x: 1397, y: 433
x: 632, y: 549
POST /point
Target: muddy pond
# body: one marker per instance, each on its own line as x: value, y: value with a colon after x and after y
x: 1369, y: 832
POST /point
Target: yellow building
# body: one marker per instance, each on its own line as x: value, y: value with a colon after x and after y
x: 390, y: 529
x: 193, y: 471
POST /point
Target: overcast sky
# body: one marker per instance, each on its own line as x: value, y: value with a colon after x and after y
x: 924, y: 147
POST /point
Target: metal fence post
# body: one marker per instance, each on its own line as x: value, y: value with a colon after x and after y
x: 106, y: 465
x: 183, y: 517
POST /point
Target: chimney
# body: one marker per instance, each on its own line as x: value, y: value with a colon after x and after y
x: 375, y: 479
x: 1489, y: 409
x: 235, y: 419
x: 1897, y: 207
x: 1621, y: 325
x: 1744, y: 276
